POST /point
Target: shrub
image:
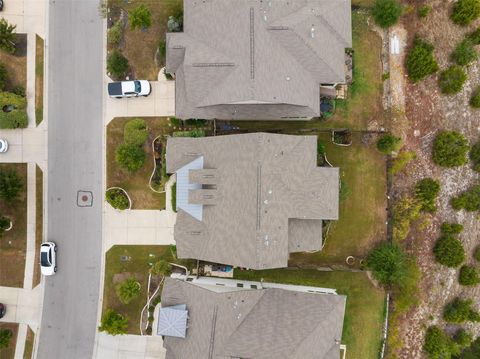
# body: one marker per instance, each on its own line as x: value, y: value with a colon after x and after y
x: 130, y: 157
x: 475, y: 36
x: 452, y: 79
x: 463, y: 338
x: 10, y: 184
x: 114, y: 34
x: 162, y: 49
x: 400, y: 162
x: 388, y: 143
x: 140, y: 17
x: 117, y: 64
x: 475, y: 99
x: 449, y: 251
x: 386, y: 12
x: 426, y: 191
x: 161, y: 267
x: 19, y: 91
x: 476, y: 254
x: 3, y: 77
x: 464, y: 53
x: 127, y: 290
x: 5, y: 337
x: 7, y: 36
x: 439, y: 345
x: 193, y: 133
x: 113, y: 323
x: 468, y: 200
x: 117, y: 199
x: 459, y: 311
x: 424, y: 10
x: 388, y: 263
x: 451, y: 228
x: 420, y: 60
x: 472, y: 352
x: 174, y: 197
x: 450, y: 149
x: 405, y: 211
x: 468, y: 276
x: 135, y: 132
x: 465, y: 11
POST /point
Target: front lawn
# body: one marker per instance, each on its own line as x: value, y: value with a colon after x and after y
x: 362, y: 328
x: 9, y: 352
x: 16, y: 64
x: 39, y: 62
x: 13, y: 243
x: 363, y: 212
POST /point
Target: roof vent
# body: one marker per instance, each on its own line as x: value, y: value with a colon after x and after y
x: 312, y: 31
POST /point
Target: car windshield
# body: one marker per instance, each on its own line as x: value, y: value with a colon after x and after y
x: 45, y: 259
x: 138, y: 87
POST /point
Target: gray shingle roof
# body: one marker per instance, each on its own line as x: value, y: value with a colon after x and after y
x: 249, y: 59
x: 255, y: 324
x: 253, y: 186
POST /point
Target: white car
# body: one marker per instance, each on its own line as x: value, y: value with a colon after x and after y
x: 3, y: 145
x: 48, y: 258
x: 129, y: 88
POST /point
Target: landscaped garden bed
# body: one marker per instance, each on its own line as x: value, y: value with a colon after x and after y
x: 9, y: 351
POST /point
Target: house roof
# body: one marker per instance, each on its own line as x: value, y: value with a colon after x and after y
x: 253, y: 186
x: 257, y: 324
x: 249, y: 59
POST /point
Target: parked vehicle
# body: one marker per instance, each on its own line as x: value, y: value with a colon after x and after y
x: 129, y: 88
x: 3, y: 145
x: 48, y: 258
x: 3, y: 310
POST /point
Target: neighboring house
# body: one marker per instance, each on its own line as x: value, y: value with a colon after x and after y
x: 249, y: 200
x: 249, y: 323
x: 254, y: 59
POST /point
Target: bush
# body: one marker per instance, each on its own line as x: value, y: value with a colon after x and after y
x: 464, y: 53
x: 420, y: 60
x: 130, y: 157
x: 426, y: 191
x: 10, y: 184
x: 7, y: 36
x: 452, y: 79
x: 386, y: 12
x: 161, y: 267
x: 463, y: 338
x: 174, y: 197
x: 113, y: 323
x: 475, y: 99
x: 450, y: 149
x: 19, y: 91
x: 468, y: 276
x: 5, y: 337
x: 388, y: 264
x: 135, y: 132
x: 3, y: 77
x: 127, y: 290
x: 424, y: 10
x: 468, y: 200
x: 439, y: 345
x: 117, y: 64
x: 449, y: 251
x: 140, y: 17
x: 476, y: 254
x: 459, y: 311
x: 472, y: 352
x: 117, y: 199
x: 114, y: 34
x: 465, y: 11
x: 162, y: 49
x: 405, y: 211
x: 451, y: 228
x: 475, y: 36
x: 388, y: 143
x: 400, y: 162
x: 193, y: 133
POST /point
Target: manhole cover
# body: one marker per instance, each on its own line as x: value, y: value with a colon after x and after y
x: 84, y: 199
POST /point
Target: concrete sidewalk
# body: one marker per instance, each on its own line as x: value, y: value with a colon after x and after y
x: 23, y: 305
x: 128, y: 347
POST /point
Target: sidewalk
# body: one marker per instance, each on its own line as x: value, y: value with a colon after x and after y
x: 128, y: 347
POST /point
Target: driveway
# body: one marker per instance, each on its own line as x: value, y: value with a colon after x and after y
x: 128, y: 347
x: 28, y: 15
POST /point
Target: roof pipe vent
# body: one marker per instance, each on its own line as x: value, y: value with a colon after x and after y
x: 312, y: 31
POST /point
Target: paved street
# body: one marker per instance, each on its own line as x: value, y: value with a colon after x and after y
x: 75, y: 135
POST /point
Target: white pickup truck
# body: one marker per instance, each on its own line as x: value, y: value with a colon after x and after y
x: 129, y: 88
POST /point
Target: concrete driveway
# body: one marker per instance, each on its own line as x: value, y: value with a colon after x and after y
x: 128, y: 347
x: 28, y: 15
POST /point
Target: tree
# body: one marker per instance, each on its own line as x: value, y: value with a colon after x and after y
x: 113, y: 323
x: 386, y: 12
x: 161, y: 267
x: 468, y: 200
x: 135, y: 132
x: 452, y: 79
x: 117, y: 198
x: 7, y: 36
x: 388, y: 143
x: 439, y: 345
x: 130, y: 157
x: 449, y: 251
x: 475, y: 99
x: 5, y: 337
x: 127, y: 290
x: 468, y: 275
x: 450, y: 149
x: 420, y: 61
x: 140, y: 17
x: 388, y: 264
x: 117, y: 64
x: 10, y: 184
x: 464, y: 53
x: 426, y: 191
x: 465, y: 11
x: 459, y: 311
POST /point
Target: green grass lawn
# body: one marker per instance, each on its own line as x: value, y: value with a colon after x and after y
x: 9, y: 352
x: 362, y: 214
x: 14, y: 242
x: 29, y: 342
x: 363, y: 323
